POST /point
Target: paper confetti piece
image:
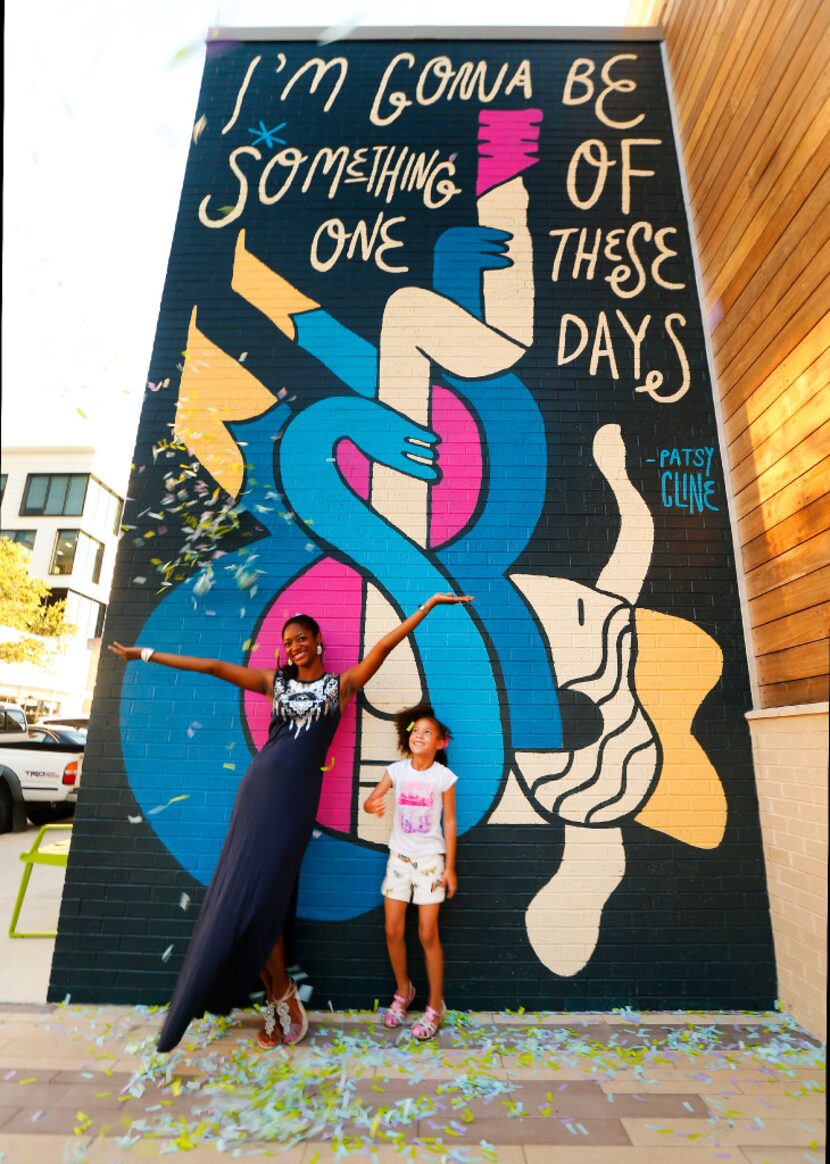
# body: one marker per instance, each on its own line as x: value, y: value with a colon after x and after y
x: 135, y: 819
x: 184, y: 901
x: 328, y: 767
x: 166, y: 955
x: 410, y: 726
x: 173, y: 800
x: 232, y: 767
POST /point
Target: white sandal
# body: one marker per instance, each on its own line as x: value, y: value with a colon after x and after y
x: 277, y: 1011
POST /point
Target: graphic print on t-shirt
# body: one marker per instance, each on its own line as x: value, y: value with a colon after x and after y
x: 415, y: 804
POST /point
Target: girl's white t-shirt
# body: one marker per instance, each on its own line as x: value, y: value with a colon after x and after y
x: 416, y: 825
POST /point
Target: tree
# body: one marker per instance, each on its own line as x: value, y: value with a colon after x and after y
x: 25, y: 607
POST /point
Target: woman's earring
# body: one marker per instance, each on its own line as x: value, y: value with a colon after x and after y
x: 319, y: 648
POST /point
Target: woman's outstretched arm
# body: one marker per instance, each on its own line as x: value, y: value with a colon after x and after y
x: 257, y: 679
x: 357, y: 677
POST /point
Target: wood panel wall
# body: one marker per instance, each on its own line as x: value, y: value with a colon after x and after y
x: 752, y: 87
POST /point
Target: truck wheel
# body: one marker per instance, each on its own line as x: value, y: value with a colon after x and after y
x: 41, y: 814
x: 5, y: 808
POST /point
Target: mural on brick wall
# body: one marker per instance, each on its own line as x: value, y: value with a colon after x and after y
x: 431, y: 323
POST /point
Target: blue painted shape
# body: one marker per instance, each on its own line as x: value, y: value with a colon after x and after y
x: 449, y: 643
x: 352, y: 359
x: 479, y: 559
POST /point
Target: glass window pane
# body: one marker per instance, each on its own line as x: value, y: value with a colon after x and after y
x: 35, y: 495
x: 97, y: 559
x: 56, y: 496
x: 76, y: 493
x: 26, y: 537
x: 63, y: 558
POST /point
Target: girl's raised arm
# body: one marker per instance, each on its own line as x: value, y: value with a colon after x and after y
x: 257, y: 679
x: 357, y: 677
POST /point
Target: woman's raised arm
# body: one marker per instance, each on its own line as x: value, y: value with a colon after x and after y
x: 357, y: 677
x: 257, y: 679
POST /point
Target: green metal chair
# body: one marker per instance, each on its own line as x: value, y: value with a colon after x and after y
x: 54, y: 854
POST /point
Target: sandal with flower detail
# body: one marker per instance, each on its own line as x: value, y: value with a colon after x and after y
x: 427, y: 1025
x: 398, y: 1008
x: 277, y: 1011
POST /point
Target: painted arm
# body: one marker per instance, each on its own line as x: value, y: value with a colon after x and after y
x: 357, y: 677
x: 257, y: 679
x: 375, y: 801
x: 450, y: 833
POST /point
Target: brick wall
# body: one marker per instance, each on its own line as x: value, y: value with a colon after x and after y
x: 793, y: 804
x: 609, y: 848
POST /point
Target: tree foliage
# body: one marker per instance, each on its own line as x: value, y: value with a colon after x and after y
x: 25, y: 607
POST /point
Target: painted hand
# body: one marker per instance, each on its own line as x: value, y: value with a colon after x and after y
x: 461, y: 254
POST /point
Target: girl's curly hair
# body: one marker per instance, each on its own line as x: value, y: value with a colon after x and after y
x: 408, y: 716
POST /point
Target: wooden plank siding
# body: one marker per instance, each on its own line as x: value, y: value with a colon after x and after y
x: 751, y: 82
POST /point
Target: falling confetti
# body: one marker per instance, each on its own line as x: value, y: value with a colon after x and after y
x: 174, y: 800
x: 184, y: 901
x: 329, y: 766
x: 166, y: 955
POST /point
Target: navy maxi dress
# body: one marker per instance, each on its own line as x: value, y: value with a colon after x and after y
x: 247, y: 901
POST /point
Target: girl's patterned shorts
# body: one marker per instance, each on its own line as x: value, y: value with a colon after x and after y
x: 408, y: 879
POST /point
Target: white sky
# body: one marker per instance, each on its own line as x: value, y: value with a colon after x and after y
x: 100, y: 103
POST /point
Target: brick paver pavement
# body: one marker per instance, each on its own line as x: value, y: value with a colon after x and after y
x: 84, y: 1084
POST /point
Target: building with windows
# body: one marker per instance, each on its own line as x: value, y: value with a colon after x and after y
x: 64, y: 504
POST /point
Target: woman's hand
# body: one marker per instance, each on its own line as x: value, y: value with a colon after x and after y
x: 125, y: 653
x: 447, y: 600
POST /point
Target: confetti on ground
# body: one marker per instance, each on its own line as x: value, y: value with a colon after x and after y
x: 341, y: 1087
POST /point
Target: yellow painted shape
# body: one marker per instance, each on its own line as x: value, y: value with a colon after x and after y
x: 216, y: 389
x: 264, y: 289
x: 677, y: 665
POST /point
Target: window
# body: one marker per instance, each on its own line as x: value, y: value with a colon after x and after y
x: 51, y: 494
x: 77, y: 553
x: 103, y: 509
x: 26, y: 537
x: 12, y: 720
x: 84, y: 613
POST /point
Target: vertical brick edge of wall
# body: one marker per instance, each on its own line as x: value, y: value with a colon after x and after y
x: 790, y: 747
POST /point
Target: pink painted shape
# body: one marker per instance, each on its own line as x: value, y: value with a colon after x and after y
x: 454, y: 498
x: 354, y: 466
x: 332, y: 593
x: 508, y: 139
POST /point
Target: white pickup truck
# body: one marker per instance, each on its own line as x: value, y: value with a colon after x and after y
x: 40, y: 770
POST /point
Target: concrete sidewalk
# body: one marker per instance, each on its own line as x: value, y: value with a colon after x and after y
x: 84, y: 1084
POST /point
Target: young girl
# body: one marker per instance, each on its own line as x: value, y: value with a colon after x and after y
x: 421, y: 864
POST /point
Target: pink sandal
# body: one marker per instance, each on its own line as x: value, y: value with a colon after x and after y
x: 398, y: 1008
x: 428, y: 1024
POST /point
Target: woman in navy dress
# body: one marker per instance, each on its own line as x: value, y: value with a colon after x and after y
x: 239, y: 931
